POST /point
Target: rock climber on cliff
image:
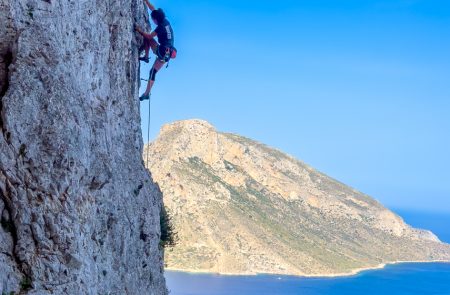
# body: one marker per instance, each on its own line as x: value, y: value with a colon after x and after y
x: 164, y: 50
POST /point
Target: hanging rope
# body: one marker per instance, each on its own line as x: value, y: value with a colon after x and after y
x: 148, y: 130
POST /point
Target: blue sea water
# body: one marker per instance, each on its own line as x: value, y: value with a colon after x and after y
x: 401, y: 279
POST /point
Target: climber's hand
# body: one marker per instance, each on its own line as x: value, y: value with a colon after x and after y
x: 149, y: 5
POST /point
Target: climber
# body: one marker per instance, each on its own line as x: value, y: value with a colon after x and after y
x: 164, y: 50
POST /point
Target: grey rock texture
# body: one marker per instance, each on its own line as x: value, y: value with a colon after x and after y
x: 79, y: 211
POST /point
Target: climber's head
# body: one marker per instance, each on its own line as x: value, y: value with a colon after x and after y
x: 158, y: 16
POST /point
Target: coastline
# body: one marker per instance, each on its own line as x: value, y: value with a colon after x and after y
x: 319, y: 275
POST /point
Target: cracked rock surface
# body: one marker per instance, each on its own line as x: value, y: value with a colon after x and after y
x: 79, y: 212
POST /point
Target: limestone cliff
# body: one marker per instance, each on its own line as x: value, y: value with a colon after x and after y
x: 242, y: 207
x: 79, y: 212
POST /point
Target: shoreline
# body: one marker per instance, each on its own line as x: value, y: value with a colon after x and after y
x: 310, y: 276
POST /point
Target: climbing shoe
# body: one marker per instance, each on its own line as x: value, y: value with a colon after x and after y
x: 144, y: 97
x: 145, y: 59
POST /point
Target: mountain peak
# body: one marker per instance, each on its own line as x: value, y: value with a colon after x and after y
x: 242, y: 207
x: 194, y: 125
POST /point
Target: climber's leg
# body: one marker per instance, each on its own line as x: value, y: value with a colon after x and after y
x: 155, y: 69
x: 152, y: 44
x: 147, y: 44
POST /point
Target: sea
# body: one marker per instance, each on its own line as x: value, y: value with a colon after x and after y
x: 400, y: 279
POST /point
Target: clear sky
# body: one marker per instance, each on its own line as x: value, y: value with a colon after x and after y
x: 359, y: 89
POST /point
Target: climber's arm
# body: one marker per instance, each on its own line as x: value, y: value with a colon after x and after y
x: 144, y: 34
x: 149, y: 36
x: 150, y: 6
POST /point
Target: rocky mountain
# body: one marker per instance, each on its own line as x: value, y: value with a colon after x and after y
x: 79, y: 212
x: 242, y: 207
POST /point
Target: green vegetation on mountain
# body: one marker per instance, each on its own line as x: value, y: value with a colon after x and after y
x: 242, y: 207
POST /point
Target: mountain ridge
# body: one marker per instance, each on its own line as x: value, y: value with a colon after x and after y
x: 242, y: 207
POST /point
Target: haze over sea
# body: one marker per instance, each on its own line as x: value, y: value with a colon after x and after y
x: 411, y: 278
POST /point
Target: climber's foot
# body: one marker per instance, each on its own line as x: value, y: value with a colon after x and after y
x: 145, y: 59
x: 144, y: 97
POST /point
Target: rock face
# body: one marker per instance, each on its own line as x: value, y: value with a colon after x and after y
x: 242, y: 207
x: 79, y: 211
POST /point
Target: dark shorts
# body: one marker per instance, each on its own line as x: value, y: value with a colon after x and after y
x: 162, y: 53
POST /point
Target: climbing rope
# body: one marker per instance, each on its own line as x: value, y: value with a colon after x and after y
x: 148, y: 129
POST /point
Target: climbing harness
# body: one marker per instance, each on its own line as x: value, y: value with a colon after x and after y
x: 171, y: 53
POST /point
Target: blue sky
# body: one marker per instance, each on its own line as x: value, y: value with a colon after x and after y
x: 359, y: 89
